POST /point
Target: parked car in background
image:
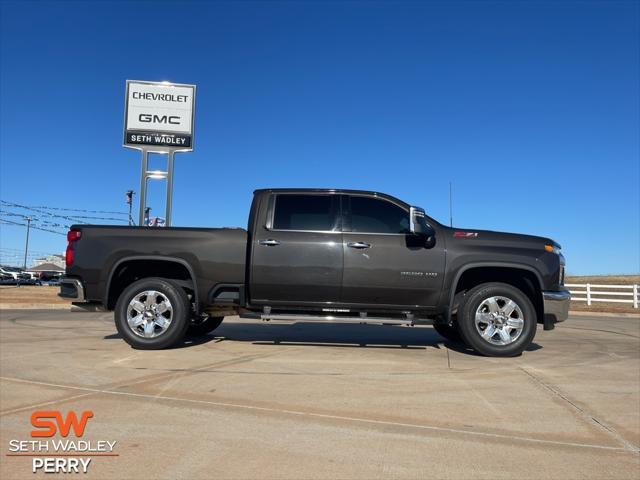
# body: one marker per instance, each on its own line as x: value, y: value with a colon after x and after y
x: 35, y: 276
x: 50, y: 277
x: 11, y: 271
x: 17, y: 274
x: 6, y: 279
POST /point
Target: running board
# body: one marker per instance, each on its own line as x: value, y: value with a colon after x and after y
x: 293, y: 317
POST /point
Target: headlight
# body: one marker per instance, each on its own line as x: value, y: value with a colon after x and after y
x: 552, y: 248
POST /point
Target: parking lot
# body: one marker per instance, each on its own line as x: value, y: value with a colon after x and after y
x: 329, y: 401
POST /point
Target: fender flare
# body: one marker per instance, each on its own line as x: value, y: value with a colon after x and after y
x: 456, y: 279
x: 180, y: 261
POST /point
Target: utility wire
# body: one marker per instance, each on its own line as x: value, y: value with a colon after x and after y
x: 35, y: 219
x: 30, y: 257
x: 31, y: 252
x: 10, y: 222
x: 44, y: 207
x: 9, y: 204
x: 81, y: 210
x: 75, y: 218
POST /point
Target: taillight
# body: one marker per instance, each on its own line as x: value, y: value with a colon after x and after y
x: 72, y: 237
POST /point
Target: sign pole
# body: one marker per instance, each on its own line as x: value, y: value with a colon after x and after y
x: 143, y: 186
x: 169, y: 187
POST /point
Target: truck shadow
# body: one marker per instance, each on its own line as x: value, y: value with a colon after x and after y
x: 316, y: 335
x: 339, y: 335
x: 328, y: 335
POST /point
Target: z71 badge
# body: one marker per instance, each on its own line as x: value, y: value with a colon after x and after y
x: 465, y: 234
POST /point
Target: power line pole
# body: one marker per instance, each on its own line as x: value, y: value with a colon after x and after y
x: 450, y: 206
x: 147, y: 213
x: 130, y: 194
x: 26, y: 245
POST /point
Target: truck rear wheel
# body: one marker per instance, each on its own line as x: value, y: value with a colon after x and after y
x: 152, y: 313
x: 497, y: 320
x: 204, y: 326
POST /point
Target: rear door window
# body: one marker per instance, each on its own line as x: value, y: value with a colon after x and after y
x: 306, y: 212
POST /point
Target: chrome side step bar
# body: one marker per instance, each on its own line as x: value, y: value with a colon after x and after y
x: 294, y: 317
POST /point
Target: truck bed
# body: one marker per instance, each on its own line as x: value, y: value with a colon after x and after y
x: 210, y: 255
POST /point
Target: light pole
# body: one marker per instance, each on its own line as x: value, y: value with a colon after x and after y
x: 26, y: 245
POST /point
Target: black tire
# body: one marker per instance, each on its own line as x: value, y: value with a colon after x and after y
x: 204, y: 327
x: 449, y: 331
x: 476, y: 299
x: 180, y: 314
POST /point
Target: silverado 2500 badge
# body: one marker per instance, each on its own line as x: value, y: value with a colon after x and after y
x: 419, y: 274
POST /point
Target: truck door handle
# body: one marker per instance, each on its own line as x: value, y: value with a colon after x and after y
x: 269, y: 243
x: 358, y: 245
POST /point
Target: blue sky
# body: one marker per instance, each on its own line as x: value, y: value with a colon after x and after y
x: 531, y: 109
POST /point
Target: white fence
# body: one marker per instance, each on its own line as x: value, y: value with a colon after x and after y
x: 588, y: 292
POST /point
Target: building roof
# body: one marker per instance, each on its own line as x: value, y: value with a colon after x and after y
x: 45, y: 267
x: 54, y: 255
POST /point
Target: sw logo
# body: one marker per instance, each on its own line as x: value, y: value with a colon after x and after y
x: 49, y: 422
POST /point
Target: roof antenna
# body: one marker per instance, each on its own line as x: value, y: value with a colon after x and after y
x: 450, y: 206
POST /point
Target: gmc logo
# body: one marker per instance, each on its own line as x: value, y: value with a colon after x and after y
x: 147, y: 118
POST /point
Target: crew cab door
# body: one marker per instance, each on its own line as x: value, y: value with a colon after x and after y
x: 297, y: 252
x: 384, y: 264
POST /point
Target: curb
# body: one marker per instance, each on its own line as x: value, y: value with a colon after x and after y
x: 35, y: 306
x: 581, y: 313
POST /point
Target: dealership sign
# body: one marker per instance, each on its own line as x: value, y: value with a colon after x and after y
x: 159, y: 116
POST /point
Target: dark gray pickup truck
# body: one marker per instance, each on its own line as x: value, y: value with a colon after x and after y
x: 320, y: 255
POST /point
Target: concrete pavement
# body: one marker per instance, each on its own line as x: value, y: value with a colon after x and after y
x: 301, y: 400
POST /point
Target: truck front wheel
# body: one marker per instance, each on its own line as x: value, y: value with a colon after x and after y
x: 497, y: 320
x: 152, y: 313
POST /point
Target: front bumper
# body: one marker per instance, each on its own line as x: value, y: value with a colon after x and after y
x: 556, y: 306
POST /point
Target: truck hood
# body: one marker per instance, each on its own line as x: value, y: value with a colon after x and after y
x: 504, y: 238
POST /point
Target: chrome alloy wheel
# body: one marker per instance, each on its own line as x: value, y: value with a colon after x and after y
x: 149, y: 314
x: 499, y: 320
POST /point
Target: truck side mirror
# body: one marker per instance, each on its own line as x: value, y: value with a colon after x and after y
x: 419, y: 225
